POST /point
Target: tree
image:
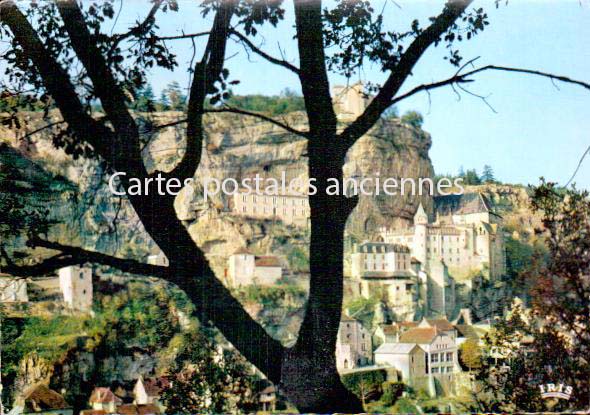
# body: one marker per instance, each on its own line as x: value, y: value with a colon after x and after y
x: 212, y: 381
x: 487, y: 175
x: 46, y: 44
x: 366, y: 385
x: 173, y: 97
x: 471, y: 177
x: 413, y: 118
x: 145, y: 100
x: 470, y: 354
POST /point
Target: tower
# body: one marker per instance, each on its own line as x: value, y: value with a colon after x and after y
x: 420, y: 235
x: 76, y: 286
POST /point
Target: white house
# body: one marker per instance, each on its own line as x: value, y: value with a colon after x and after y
x: 245, y: 268
x: 409, y: 359
x: 13, y: 290
x: 75, y: 283
x: 439, y: 346
x: 354, y: 346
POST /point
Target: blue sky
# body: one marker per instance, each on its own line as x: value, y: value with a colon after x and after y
x: 538, y: 130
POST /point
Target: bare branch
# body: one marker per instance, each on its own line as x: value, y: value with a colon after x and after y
x: 233, y: 110
x: 263, y: 117
x: 401, y: 71
x: 207, y: 71
x: 578, y: 166
x: 70, y: 255
x: 184, y: 36
x: 248, y: 43
x: 141, y: 28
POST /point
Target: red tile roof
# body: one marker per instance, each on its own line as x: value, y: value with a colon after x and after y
x: 442, y: 324
x: 419, y: 335
x: 267, y: 261
x: 104, y: 395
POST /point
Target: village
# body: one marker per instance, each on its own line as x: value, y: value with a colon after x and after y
x: 413, y: 271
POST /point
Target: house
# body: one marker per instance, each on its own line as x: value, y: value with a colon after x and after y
x: 41, y: 400
x: 353, y: 344
x: 13, y: 290
x: 246, y: 269
x: 147, y: 391
x: 440, y: 348
x: 409, y: 359
x: 103, y: 399
x: 289, y: 207
x: 76, y: 286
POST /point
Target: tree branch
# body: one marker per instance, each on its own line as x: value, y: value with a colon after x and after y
x: 125, y: 153
x: 70, y: 255
x: 247, y: 42
x: 55, y: 78
x: 259, y: 116
x: 452, y: 10
x: 207, y: 72
x: 141, y: 28
x: 184, y: 36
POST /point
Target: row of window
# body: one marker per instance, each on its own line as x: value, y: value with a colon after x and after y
x: 434, y: 357
x: 275, y: 200
x: 384, y: 266
x: 447, y: 369
x: 267, y: 211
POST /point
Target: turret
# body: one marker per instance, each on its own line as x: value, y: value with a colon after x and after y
x: 420, y: 218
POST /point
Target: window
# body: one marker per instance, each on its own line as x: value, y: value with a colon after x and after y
x: 81, y: 275
x: 435, y: 370
x: 449, y: 357
x: 434, y: 358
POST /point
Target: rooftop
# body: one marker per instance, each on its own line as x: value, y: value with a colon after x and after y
x: 419, y: 335
x: 104, y: 395
x: 267, y: 261
x: 396, y: 348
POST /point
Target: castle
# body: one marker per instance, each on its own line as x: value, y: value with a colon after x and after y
x: 414, y: 270
x: 465, y: 235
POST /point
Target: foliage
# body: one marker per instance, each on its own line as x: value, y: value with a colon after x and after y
x: 519, y: 356
x: 470, y: 354
x: 208, y: 380
x: 413, y: 118
x: 285, y: 103
x: 298, y: 260
x: 392, y: 391
x: 363, y: 309
x: 487, y: 175
x: 366, y: 384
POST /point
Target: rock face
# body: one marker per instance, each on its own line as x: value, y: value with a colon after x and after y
x: 390, y: 150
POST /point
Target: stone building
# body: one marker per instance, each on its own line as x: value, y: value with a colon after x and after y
x: 353, y: 345
x: 350, y: 101
x: 13, y: 290
x: 291, y: 209
x: 76, y: 286
x: 408, y: 358
x: 465, y: 235
x: 245, y: 268
x: 386, y: 271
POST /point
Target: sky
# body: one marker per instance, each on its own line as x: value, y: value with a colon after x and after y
x: 539, y: 128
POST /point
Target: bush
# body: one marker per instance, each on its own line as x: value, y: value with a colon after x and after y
x: 392, y: 391
x: 413, y: 118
